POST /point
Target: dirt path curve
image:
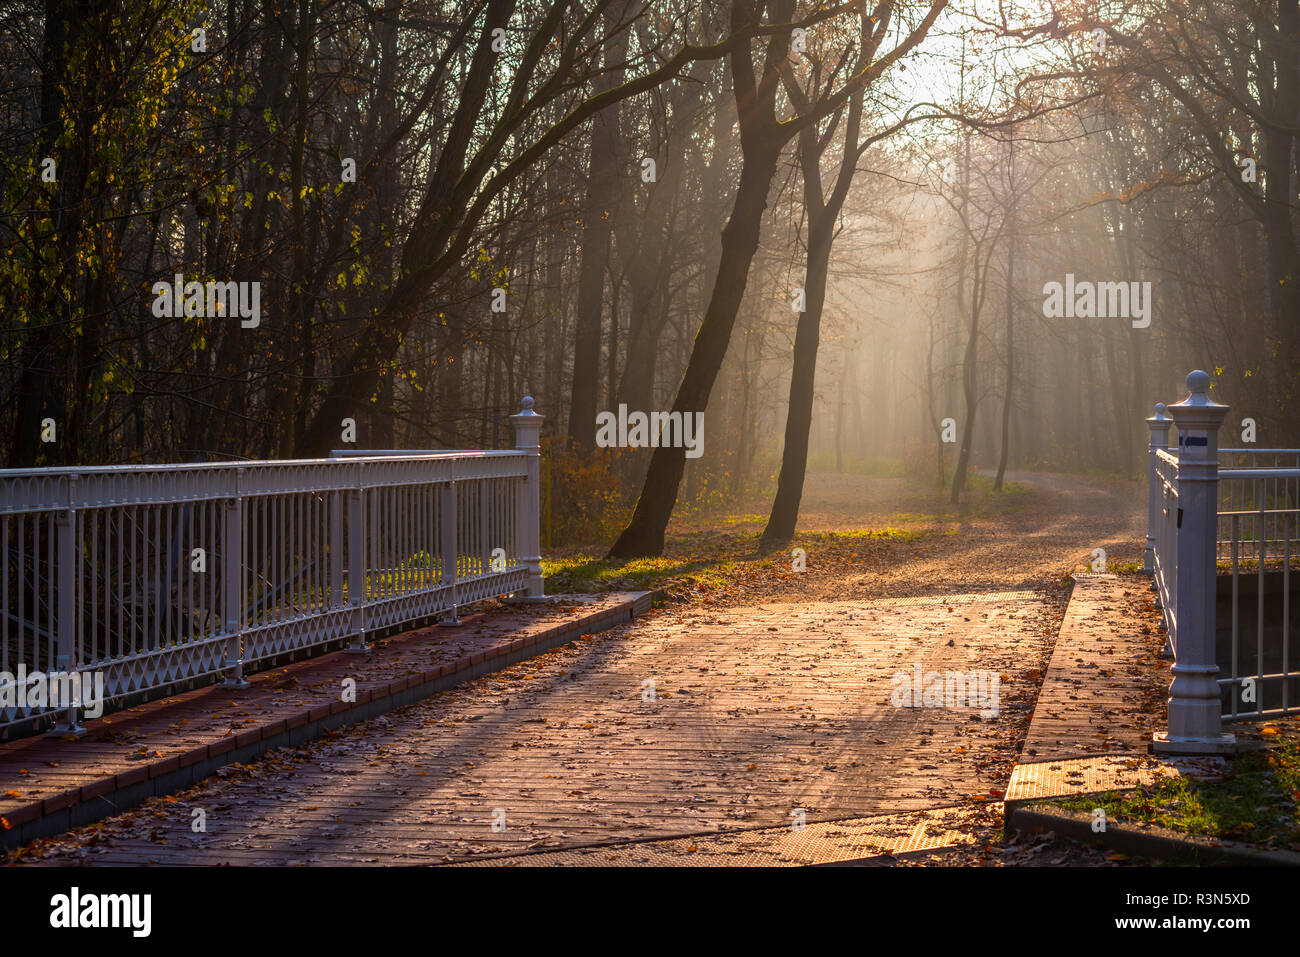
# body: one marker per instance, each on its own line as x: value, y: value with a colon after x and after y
x: 693, y: 720
x: 1050, y: 532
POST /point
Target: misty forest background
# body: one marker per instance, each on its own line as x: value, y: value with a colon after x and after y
x: 918, y: 169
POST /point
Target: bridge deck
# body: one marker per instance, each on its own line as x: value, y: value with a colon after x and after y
x: 142, y: 750
x: 758, y: 712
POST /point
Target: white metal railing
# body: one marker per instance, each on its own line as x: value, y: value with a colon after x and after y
x: 1233, y: 510
x: 1165, y: 566
x: 1258, y: 534
x: 151, y: 577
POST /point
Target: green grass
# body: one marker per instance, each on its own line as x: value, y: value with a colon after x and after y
x: 915, y: 518
x: 890, y: 534
x: 1257, y: 802
x: 585, y: 573
x: 983, y: 482
x: 717, y: 562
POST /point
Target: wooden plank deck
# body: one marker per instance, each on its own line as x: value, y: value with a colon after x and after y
x: 1106, y: 685
x: 758, y: 712
x: 42, y: 776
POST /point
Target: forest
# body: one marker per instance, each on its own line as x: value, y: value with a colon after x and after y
x: 935, y: 238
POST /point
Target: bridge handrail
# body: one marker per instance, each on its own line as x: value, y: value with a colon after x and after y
x: 158, y: 576
x: 1208, y: 505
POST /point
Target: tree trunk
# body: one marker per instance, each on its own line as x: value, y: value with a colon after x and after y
x: 840, y: 412
x: 598, y: 218
x: 794, y: 458
x: 1010, y: 316
x: 644, y: 535
x: 970, y: 392
x: 39, y: 394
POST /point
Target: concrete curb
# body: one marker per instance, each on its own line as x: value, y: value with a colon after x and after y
x: 1156, y: 842
x: 111, y: 795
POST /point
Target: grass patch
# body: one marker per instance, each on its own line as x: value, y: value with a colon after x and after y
x: 888, y: 534
x: 978, y: 501
x: 915, y: 518
x: 711, y: 552
x: 716, y: 562
x: 585, y: 573
x: 1257, y: 802
x: 1012, y: 494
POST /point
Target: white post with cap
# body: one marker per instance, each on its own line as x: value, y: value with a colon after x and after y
x: 528, y: 513
x: 1195, y: 722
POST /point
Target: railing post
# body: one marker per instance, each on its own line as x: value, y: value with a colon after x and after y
x: 336, y: 549
x: 356, y: 507
x: 232, y: 577
x: 67, y: 561
x: 1195, y: 722
x: 528, y: 429
x: 448, y: 547
x: 1158, y: 425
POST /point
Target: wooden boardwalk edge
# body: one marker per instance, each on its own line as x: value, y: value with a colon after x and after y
x: 1091, y: 726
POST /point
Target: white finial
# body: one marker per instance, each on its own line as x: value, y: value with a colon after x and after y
x: 1187, y: 412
